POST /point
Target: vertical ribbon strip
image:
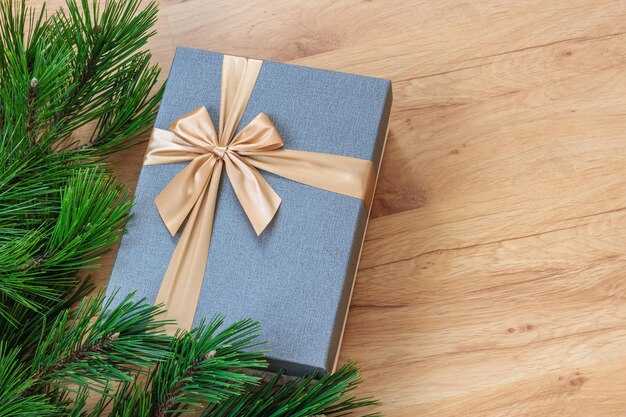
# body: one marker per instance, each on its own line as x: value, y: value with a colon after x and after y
x: 190, y: 198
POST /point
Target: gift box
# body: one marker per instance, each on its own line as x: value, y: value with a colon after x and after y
x: 296, y: 274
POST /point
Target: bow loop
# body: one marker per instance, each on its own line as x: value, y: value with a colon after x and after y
x: 196, y: 129
x: 260, y: 135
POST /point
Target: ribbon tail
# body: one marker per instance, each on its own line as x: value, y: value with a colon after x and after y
x: 255, y: 194
x: 185, y: 191
x: 180, y: 288
x: 344, y: 175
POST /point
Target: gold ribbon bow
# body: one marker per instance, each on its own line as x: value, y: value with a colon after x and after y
x: 191, y: 196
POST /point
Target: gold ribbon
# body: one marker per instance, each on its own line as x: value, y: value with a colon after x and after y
x: 191, y: 196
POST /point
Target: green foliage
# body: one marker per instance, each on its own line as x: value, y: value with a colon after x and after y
x: 84, y: 69
x: 206, y: 365
x: 331, y: 396
x: 60, y: 209
x: 92, y: 350
x: 88, y: 349
x: 15, y: 382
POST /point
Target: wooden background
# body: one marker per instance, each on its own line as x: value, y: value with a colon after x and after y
x: 492, y: 281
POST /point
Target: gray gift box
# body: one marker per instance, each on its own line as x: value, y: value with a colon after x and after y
x: 296, y: 278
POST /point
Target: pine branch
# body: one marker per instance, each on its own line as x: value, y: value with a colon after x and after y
x: 332, y: 395
x: 122, y: 126
x: 99, y: 344
x: 205, y: 366
x: 73, y: 68
x: 131, y: 399
x: 14, y: 382
x: 42, y: 264
x: 106, y: 44
x: 31, y: 325
x: 44, y: 69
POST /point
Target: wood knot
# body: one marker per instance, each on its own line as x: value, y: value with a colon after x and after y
x: 578, y: 381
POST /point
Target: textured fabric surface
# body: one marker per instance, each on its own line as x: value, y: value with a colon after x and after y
x: 297, y: 276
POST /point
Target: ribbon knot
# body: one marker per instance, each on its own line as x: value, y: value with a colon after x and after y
x: 195, y: 136
x: 219, y: 151
x: 190, y: 197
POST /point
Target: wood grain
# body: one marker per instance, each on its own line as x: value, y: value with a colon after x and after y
x: 492, y: 281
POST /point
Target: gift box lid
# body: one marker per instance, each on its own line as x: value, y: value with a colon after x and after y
x: 296, y: 278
